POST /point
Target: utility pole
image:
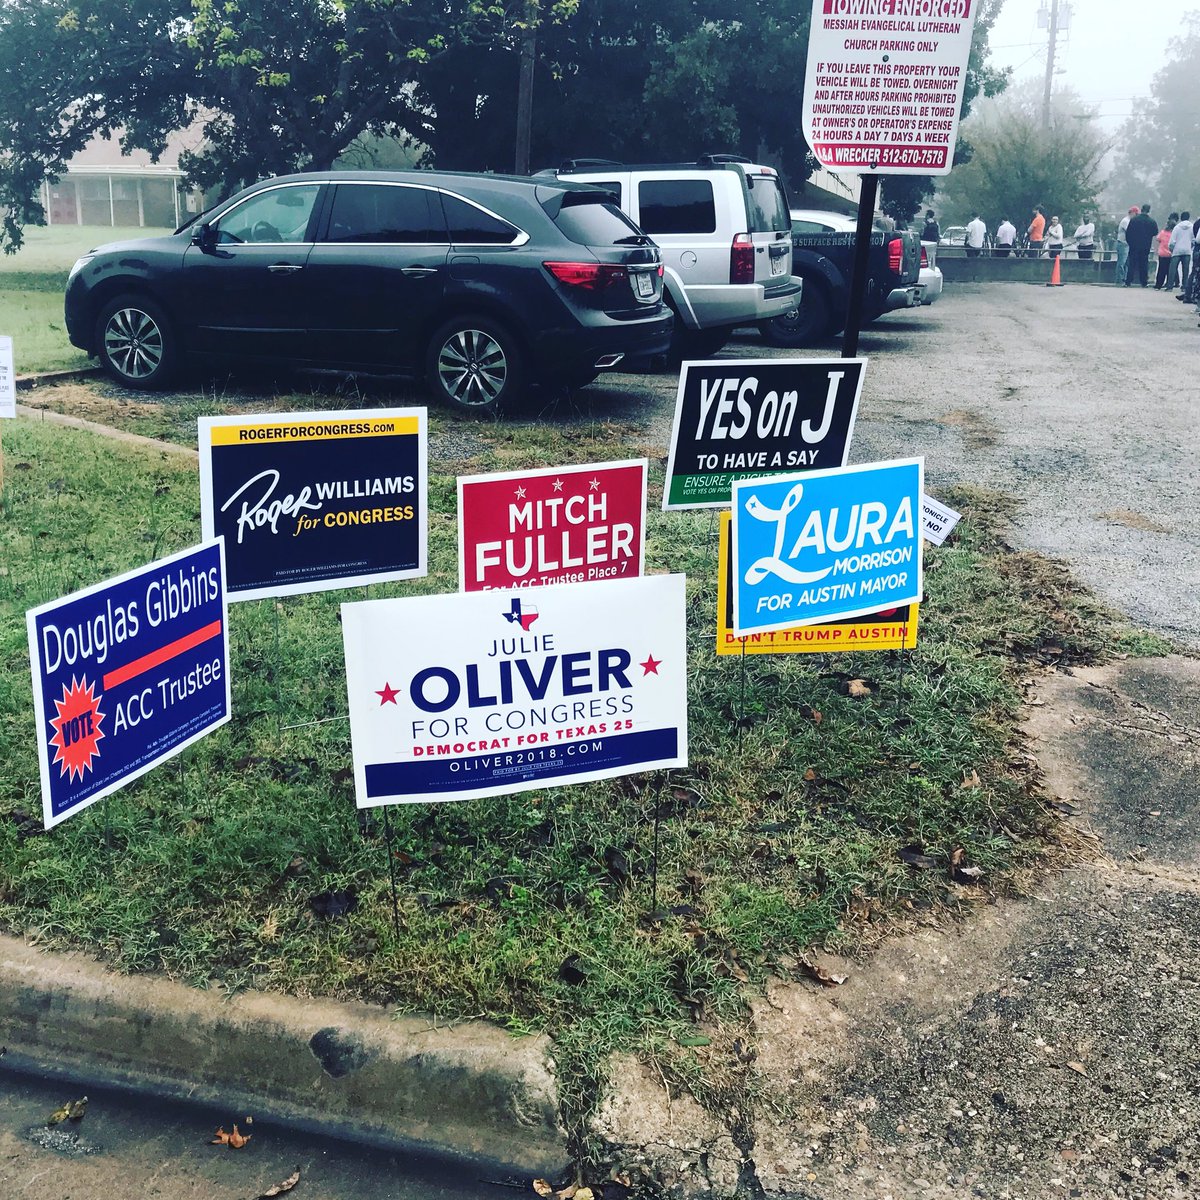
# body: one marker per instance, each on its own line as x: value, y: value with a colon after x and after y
x: 1050, y: 64
x: 525, y: 88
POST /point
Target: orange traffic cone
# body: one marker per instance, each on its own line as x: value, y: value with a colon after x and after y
x: 1055, y: 275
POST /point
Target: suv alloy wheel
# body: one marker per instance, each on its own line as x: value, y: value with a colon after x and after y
x: 474, y: 364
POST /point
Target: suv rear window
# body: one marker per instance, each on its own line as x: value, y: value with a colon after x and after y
x: 595, y: 222
x: 676, y: 206
x: 472, y: 226
x: 768, y: 205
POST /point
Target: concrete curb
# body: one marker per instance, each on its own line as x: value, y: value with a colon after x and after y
x: 120, y: 435
x: 353, y: 1069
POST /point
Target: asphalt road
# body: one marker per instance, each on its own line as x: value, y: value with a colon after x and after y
x: 127, y: 1148
x: 1078, y: 400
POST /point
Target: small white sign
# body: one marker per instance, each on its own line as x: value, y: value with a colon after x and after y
x: 937, y: 521
x: 8, y: 379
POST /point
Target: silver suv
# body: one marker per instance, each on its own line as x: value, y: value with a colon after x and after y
x: 724, y: 229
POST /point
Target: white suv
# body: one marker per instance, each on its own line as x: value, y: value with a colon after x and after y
x: 723, y: 227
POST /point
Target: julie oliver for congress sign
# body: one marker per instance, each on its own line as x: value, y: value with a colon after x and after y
x: 487, y: 693
x: 312, y: 501
x: 884, y: 83
x: 742, y: 419
x: 559, y: 525
x: 126, y: 674
x: 826, y: 545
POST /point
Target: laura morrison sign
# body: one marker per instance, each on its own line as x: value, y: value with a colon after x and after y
x: 126, y: 674
x: 487, y: 693
x: 826, y: 545
x: 742, y: 419
x: 312, y: 501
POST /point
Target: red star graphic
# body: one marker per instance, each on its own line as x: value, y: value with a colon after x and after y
x: 388, y: 695
x: 650, y: 666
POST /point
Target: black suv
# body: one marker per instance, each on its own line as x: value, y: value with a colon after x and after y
x: 482, y: 283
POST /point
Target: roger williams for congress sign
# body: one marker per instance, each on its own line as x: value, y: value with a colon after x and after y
x: 558, y: 525
x: 487, y: 693
x: 742, y: 419
x: 312, y: 501
x: 826, y: 545
x: 126, y: 674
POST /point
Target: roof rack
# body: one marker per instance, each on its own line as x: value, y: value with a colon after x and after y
x: 587, y: 164
x: 716, y: 159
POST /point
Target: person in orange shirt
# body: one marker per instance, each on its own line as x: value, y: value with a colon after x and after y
x: 1037, y: 232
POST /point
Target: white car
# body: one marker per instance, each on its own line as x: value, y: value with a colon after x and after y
x: 931, y: 273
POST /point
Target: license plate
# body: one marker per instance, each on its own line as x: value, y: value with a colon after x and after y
x: 778, y: 262
x: 644, y: 283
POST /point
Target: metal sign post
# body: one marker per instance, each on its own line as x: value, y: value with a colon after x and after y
x: 858, y: 278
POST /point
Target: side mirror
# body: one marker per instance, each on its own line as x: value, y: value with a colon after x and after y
x: 204, y: 236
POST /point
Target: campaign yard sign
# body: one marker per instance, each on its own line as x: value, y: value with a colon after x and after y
x: 8, y: 379
x: 891, y: 629
x: 488, y: 693
x: 312, y: 501
x: 826, y: 545
x: 557, y: 525
x: 126, y: 674
x: 937, y: 520
x: 746, y: 418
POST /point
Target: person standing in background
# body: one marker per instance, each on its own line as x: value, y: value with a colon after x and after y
x: 1054, y: 237
x: 1085, y: 237
x: 1006, y: 234
x: 1180, y: 246
x: 1123, y: 246
x: 931, y: 232
x: 1140, y: 234
x: 1036, y: 232
x: 1162, y: 245
x: 976, y: 236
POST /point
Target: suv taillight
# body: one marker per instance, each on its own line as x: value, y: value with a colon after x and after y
x: 924, y: 257
x: 896, y: 254
x: 593, y: 276
x: 741, y: 259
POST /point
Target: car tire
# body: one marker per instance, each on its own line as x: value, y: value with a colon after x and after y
x: 136, y: 343
x: 807, y: 323
x: 474, y: 364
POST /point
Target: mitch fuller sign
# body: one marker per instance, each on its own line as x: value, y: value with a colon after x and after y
x: 826, y: 545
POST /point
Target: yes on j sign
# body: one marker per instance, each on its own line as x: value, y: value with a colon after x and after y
x: 826, y: 545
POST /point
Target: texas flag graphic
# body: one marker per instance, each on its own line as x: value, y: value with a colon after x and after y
x: 521, y: 615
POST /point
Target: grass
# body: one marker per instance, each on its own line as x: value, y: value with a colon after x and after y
x: 32, y: 283
x: 548, y: 910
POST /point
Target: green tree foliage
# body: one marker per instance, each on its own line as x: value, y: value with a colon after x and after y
x: 1156, y: 160
x: 903, y: 195
x: 1017, y: 163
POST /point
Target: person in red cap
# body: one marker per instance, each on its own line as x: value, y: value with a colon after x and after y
x: 1123, y: 245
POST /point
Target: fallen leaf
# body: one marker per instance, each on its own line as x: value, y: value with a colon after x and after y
x: 1069, y: 1155
x: 571, y: 972
x: 584, y: 1193
x: 810, y: 776
x: 956, y: 856
x: 337, y: 903
x: 971, y: 780
x: 970, y: 874
x: 542, y: 1187
x: 284, y: 1185
x: 73, y: 1110
x: 693, y: 1039
x: 694, y: 880
x: 811, y: 714
x: 1077, y: 1067
x: 235, y: 1140
x: 857, y: 688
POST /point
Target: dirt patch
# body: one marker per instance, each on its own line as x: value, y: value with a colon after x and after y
x: 978, y: 433
x: 1132, y: 520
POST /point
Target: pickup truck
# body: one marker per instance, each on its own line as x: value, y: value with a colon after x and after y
x: 823, y: 256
